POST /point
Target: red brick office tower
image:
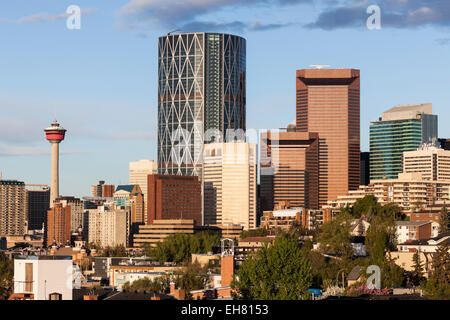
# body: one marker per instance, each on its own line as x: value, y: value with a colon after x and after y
x: 57, y: 227
x: 174, y: 197
x: 328, y: 103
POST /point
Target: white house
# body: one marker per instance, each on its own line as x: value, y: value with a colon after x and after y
x: 43, y: 276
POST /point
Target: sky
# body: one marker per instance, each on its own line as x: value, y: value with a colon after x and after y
x: 101, y: 80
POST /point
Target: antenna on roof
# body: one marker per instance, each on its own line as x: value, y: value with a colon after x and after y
x: 319, y: 66
x: 173, y: 31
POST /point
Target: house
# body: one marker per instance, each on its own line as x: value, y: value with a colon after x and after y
x: 356, y: 275
x: 413, y: 230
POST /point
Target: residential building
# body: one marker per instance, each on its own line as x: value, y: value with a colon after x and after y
x: 413, y: 230
x: 289, y: 169
x: 38, y: 203
x: 409, y: 191
x: 121, y: 274
x: 13, y: 208
x: 229, y: 184
x: 43, y: 277
x: 425, y: 245
x: 328, y: 103
x: 430, y: 161
x: 58, y: 226
x: 174, y: 197
x: 294, y: 216
x: 203, y: 95
x: 400, y: 129
x: 139, y: 170
x: 76, y: 211
x: 108, y: 227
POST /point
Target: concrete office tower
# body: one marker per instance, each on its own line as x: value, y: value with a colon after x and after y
x: 139, y: 170
x: 13, y: 208
x: 174, y: 197
x: 201, y: 88
x: 400, y: 129
x: 57, y: 228
x: 432, y: 162
x: 328, y: 103
x: 76, y: 211
x: 108, y: 227
x: 38, y: 202
x: 229, y: 184
x: 289, y: 169
x: 55, y: 134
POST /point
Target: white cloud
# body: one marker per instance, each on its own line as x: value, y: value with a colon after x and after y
x: 48, y: 17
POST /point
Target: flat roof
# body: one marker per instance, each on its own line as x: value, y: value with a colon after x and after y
x: 43, y: 257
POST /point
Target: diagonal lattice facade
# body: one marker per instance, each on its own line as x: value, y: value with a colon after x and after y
x: 201, y: 86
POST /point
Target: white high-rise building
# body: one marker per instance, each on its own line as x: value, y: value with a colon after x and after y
x: 108, y: 227
x: 139, y: 170
x: 229, y: 184
x: 432, y: 162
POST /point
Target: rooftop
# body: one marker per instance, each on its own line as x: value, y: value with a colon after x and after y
x: 43, y: 257
x: 412, y: 223
x: 406, y: 112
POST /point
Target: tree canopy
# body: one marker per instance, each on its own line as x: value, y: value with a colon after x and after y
x: 179, y: 247
x: 277, y: 272
x: 6, y: 276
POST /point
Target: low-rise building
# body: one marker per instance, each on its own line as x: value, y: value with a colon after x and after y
x: 43, y: 277
x: 156, y: 232
x: 413, y: 230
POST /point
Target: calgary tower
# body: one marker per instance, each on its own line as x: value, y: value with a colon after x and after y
x: 55, y: 134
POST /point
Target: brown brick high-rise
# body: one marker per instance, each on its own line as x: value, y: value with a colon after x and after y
x: 328, y: 102
x: 289, y: 169
x: 174, y: 197
x: 57, y: 228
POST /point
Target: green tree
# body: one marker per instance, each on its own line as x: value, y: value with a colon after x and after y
x: 260, y: 232
x: 179, y: 247
x: 438, y: 285
x: 380, y: 237
x: 441, y: 263
x: 335, y: 237
x: 443, y: 220
x: 278, y: 272
x: 363, y: 206
x: 116, y: 251
x: 417, y: 273
x: 6, y: 276
x: 192, y: 277
x: 392, y: 275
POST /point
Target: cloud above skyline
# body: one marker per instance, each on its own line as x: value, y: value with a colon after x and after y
x: 394, y: 14
x: 49, y: 17
x: 187, y: 14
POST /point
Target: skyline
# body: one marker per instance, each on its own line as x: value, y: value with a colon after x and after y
x: 46, y: 67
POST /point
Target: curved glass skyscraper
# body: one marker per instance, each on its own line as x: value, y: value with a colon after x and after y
x: 201, y: 94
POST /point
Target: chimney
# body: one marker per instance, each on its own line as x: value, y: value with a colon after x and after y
x: 227, y: 270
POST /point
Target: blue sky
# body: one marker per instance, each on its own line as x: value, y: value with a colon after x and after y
x: 101, y: 79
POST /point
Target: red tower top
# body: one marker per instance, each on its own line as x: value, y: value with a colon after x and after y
x: 55, y: 133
